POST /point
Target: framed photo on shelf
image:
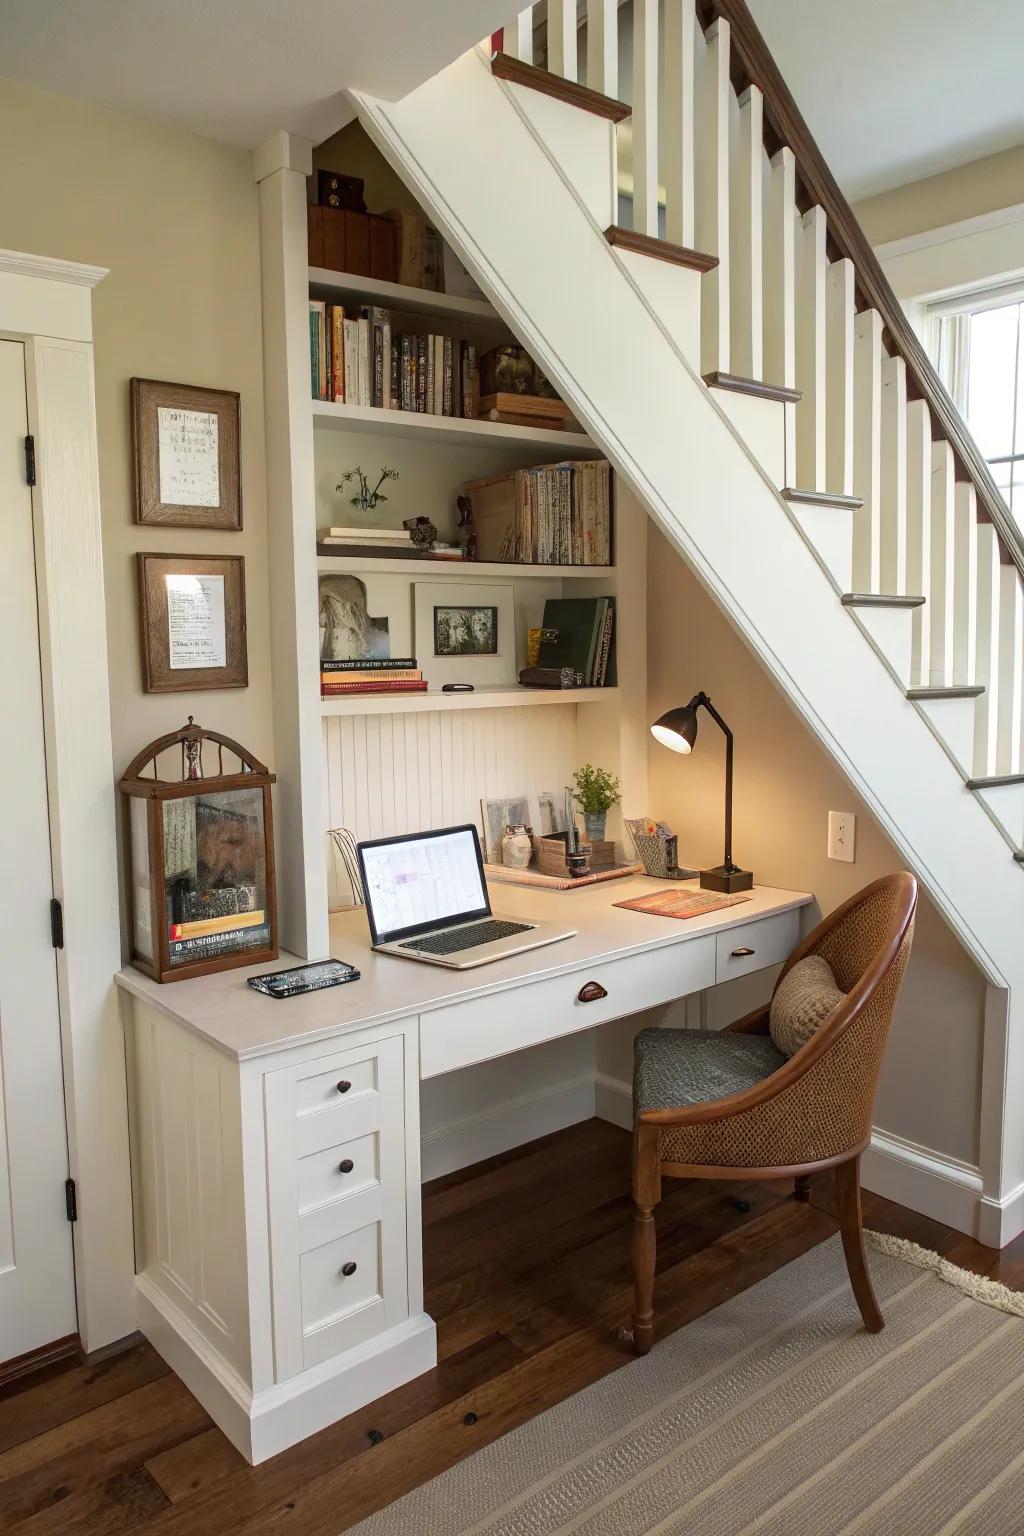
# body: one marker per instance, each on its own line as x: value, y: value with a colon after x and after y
x: 185, y: 455
x: 465, y: 632
x: 192, y: 622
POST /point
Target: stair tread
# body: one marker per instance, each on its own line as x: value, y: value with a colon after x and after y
x: 955, y: 691
x: 822, y: 499
x: 879, y: 600
x: 741, y: 386
x: 504, y: 67
x: 996, y: 781
x: 661, y: 250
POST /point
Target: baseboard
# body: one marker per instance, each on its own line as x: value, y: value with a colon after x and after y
x: 500, y: 1127
x: 613, y: 1100
x: 1000, y: 1221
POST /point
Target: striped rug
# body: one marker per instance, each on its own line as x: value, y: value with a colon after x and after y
x: 775, y: 1414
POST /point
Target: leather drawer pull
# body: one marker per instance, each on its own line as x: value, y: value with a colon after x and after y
x: 343, y: 1086
x: 738, y: 954
x: 591, y: 992
x: 346, y: 1166
x: 349, y: 1268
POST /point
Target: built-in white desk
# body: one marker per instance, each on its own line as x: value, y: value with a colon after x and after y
x: 276, y: 1150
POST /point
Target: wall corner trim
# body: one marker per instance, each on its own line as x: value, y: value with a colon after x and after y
x: 283, y: 152
x: 22, y: 264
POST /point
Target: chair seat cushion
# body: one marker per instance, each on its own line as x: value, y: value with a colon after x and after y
x: 674, y: 1067
x: 803, y: 1000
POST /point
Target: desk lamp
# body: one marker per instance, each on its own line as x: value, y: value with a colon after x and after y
x: 677, y: 730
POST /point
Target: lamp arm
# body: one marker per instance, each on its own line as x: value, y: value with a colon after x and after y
x: 701, y: 700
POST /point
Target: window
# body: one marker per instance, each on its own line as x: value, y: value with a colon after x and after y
x: 979, y: 351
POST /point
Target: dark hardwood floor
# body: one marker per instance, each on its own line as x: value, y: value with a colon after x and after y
x: 527, y: 1273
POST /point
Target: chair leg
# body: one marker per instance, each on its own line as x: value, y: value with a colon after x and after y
x: 646, y: 1194
x: 802, y: 1187
x: 852, y: 1228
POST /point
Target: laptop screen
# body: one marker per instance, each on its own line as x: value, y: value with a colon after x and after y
x: 428, y: 880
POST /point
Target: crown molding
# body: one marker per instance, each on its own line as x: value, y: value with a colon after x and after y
x: 980, y: 223
x: 53, y: 270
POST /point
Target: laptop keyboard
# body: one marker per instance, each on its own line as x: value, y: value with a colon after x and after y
x: 465, y: 938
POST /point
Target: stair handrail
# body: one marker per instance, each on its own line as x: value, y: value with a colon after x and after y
x: 752, y: 63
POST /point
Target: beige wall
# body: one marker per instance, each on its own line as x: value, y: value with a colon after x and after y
x: 175, y: 219
x: 997, y: 181
x: 785, y: 787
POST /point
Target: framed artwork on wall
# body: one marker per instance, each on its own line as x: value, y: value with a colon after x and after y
x: 185, y: 455
x: 465, y: 632
x: 192, y: 622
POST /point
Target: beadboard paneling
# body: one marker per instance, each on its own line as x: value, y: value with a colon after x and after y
x: 388, y: 774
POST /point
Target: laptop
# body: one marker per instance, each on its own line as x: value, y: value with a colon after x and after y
x: 426, y: 899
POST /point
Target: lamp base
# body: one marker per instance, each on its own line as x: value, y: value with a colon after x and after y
x: 726, y: 879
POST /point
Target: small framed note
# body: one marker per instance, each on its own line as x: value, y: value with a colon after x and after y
x: 185, y: 447
x: 192, y: 622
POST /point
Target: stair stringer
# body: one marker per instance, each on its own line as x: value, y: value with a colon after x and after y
x: 504, y: 204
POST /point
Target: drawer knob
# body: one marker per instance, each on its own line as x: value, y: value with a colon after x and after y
x: 346, y: 1165
x: 744, y: 949
x: 349, y: 1268
x: 591, y: 992
x: 343, y: 1086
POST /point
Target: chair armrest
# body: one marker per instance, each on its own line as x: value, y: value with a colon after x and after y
x: 755, y: 1023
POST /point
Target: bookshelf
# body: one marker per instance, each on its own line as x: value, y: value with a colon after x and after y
x: 378, y: 763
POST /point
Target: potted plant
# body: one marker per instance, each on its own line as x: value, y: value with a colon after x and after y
x: 595, y: 792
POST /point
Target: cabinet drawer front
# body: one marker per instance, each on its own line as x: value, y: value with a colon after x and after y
x: 484, y: 1027
x: 320, y: 1087
x: 342, y: 1298
x: 337, y: 1172
x: 752, y: 946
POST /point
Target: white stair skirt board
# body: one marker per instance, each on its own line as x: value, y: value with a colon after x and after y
x: 500, y: 1127
x: 953, y: 723
x: 582, y: 143
x: 891, y: 631
x: 830, y: 531
x: 673, y: 293
x: 762, y: 425
x: 1005, y: 803
x: 262, y: 1424
x: 943, y: 1188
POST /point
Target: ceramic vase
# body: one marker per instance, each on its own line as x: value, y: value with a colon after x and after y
x: 595, y: 823
x: 516, y: 848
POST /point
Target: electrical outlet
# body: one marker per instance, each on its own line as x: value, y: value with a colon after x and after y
x: 842, y: 834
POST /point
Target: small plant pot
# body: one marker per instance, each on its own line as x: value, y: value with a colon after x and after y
x: 595, y: 822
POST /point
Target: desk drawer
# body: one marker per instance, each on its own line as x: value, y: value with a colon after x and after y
x: 484, y: 1027
x: 337, y: 1173
x: 342, y: 1296
x: 752, y: 946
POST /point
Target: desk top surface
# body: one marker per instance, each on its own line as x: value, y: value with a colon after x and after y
x: 227, y: 1013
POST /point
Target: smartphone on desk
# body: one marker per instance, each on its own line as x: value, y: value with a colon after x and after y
x: 304, y: 978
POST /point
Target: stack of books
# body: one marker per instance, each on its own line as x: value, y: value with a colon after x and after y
x: 556, y: 514
x: 356, y: 357
x: 339, y: 679
x: 397, y: 540
x: 209, y: 936
x: 577, y: 635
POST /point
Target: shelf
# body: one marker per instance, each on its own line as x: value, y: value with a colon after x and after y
x: 325, y: 284
x: 453, y: 430
x: 389, y: 565
x: 503, y: 697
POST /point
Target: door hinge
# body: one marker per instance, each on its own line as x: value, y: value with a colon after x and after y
x: 71, y: 1199
x: 57, y: 924
x: 30, y: 460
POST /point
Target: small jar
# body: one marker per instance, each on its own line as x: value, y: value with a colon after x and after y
x: 516, y: 847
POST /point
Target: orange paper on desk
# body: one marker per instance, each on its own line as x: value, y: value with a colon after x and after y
x: 671, y: 903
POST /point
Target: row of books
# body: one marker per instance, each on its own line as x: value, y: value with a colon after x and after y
x: 554, y: 514
x: 356, y: 357
x: 340, y: 679
x: 576, y: 634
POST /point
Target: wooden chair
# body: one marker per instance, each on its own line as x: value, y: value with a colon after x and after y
x: 777, y: 1117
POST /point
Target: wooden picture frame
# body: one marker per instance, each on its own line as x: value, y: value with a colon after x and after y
x: 185, y: 455
x: 167, y: 637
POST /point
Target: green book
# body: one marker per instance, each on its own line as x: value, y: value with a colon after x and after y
x: 572, y: 628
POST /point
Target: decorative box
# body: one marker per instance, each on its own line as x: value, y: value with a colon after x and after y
x: 200, y: 851
x: 344, y: 241
x: 551, y: 855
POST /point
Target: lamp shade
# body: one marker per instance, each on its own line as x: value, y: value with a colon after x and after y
x: 677, y: 729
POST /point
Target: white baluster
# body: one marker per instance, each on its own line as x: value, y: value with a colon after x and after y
x: 893, y: 507
x: 1011, y: 671
x: 562, y: 38
x: 677, y: 120
x: 867, y: 450
x: 517, y: 40
x: 645, y: 117
x: 811, y: 265
x: 712, y: 206
x: 746, y: 237
x: 940, y: 594
x: 603, y: 46
x: 986, y: 670
x: 965, y: 582
x: 780, y: 287
x: 840, y: 314
x: 919, y: 533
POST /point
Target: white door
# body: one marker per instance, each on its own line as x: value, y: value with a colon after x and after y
x: 37, y: 1292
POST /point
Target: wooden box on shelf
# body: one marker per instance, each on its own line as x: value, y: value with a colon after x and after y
x: 343, y: 241
x: 200, y: 853
x: 551, y: 856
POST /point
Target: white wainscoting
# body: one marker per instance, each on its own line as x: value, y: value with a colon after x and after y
x: 388, y: 774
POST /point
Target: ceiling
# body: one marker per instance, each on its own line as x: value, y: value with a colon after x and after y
x: 894, y: 92
x: 237, y: 70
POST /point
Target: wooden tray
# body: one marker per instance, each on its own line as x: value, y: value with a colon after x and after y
x: 502, y: 876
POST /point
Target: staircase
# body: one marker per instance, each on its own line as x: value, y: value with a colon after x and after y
x: 747, y: 370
